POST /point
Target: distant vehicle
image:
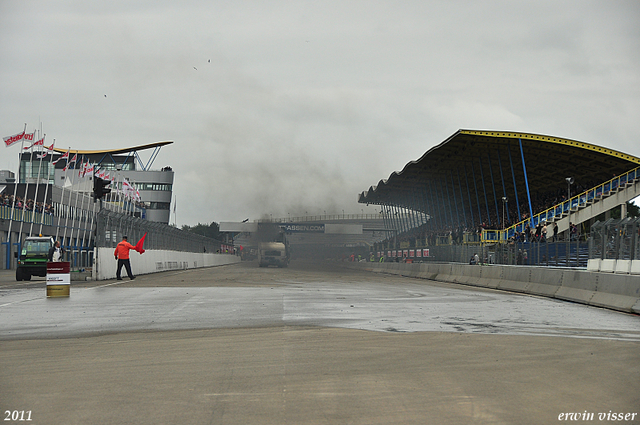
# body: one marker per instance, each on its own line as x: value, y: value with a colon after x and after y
x: 275, y: 252
x: 33, y: 257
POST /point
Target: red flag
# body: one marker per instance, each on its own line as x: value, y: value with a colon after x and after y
x: 139, y: 247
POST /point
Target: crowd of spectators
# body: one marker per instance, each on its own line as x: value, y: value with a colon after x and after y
x: 430, y: 235
x: 28, y: 205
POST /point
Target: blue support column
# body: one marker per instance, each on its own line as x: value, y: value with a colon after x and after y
x: 434, y: 206
x: 398, y: 219
x: 493, y: 186
x: 466, y: 177
x: 473, y: 171
x: 384, y: 217
x: 464, y: 213
x: 484, y: 189
x: 415, y: 206
x: 394, y: 224
x: 437, y: 204
x: 405, y: 219
x: 423, y: 210
x: 445, y: 191
x: 526, y: 182
x: 455, y: 201
x: 504, y: 188
x: 515, y: 189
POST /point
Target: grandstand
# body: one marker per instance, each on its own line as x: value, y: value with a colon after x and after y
x: 496, y: 186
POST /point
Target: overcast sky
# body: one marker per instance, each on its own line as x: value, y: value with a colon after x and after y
x: 294, y: 107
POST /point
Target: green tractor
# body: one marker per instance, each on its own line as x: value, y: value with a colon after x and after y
x: 33, y: 257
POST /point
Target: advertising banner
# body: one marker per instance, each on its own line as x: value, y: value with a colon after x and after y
x: 58, y: 279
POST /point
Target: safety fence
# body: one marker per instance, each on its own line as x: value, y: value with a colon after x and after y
x: 105, y: 229
x: 562, y: 254
x: 615, y: 239
x: 111, y: 226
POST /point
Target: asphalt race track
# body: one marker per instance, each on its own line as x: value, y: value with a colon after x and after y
x: 310, y: 344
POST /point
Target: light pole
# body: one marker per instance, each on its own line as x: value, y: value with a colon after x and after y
x: 569, y: 183
x: 504, y: 207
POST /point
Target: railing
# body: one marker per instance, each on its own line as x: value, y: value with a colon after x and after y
x: 573, y: 204
x: 324, y: 217
x: 25, y: 216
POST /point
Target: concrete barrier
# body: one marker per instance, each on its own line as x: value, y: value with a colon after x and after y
x: 623, y: 266
x: 620, y: 292
x: 544, y: 281
x: 593, y: 264
x: 635, y: 267
x: 578, y: 286
x: 608, y: 266
x: 513, y: 279
x: 603, y: 289
x: 490, y: 276
x: 153, y: 261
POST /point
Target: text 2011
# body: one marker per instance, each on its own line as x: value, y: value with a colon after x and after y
x: 17, y: 415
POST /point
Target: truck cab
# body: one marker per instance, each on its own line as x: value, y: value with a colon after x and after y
x: 273, y: 254
x: 33, y: 257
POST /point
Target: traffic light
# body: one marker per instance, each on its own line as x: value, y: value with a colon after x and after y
x: 100, y: 187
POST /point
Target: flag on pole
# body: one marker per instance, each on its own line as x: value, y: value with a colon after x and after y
x: 49, y: 150
x: 38, y: 143
x: 83, y: 168
x: 12, y: 140
x: 64, y: 156
x: 74, y: 159
x: 126, y: 188
x: 30, y: 136
x: 89, y: 169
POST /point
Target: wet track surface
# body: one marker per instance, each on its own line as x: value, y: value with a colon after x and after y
x: 325, y: 295
x: 310, y: 344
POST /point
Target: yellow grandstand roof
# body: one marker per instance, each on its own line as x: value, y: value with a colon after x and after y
x: 472, y: 170
x: 116, y: 151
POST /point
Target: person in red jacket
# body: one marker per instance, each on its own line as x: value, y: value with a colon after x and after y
x: 122, y: 255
